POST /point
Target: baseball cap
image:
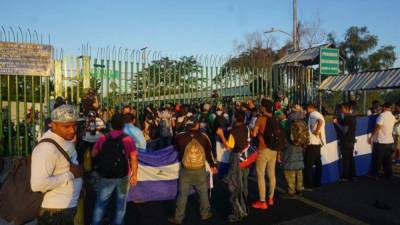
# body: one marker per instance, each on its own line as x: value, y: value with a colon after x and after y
x: 64, y: 114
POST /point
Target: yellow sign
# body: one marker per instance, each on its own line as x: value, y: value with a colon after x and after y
x: 25, y: 59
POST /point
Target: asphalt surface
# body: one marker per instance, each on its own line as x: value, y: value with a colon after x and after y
x: 363, y: 201
x: 372, y: 201
x: 285, y: 211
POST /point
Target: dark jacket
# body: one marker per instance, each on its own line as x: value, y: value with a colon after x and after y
x: 293, y: 158
x: 183, y: 139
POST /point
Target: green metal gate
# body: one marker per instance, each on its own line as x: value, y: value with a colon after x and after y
x: 119, y: 77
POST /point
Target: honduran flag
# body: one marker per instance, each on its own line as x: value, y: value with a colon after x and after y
x: 158, y: 174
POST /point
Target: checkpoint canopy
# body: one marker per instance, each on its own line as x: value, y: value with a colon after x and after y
x: 298, y: 74
x: 363, y: 81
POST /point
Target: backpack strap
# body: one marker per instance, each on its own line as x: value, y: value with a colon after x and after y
x: 118, y: 138
x: 58, y: 146
x: 121, y: 137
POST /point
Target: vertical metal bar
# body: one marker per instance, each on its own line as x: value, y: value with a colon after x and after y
x: 246, y: 83
x: 126, y: 82
x: 114, y: 84
x: 17, y: 117
x: 132, y: 84
x: 41, y: 105
x: 72, y: 76
x: 95, y: 75
x: 2, y: 150
x: 48, y: 96
x: 183, y: 75
x: 144, y: 81
x: 189, y: 84
x: 164, y: 85
x: 207, y: 81
x: 260, y: 82
x: 107, y: 95
x: 235, y: 76
x: 9, y: 109
x: 159, y: 84
x: 120, y: 83
x: 65, y: 75
x: 33, y: 116
x: 137, y: 86
x: 174, y: 83
x: 201, y: 84
x: 78, y: 76
x: 25, y: 119
x: 144, y: 85
x: 102, y: 86
x: 178, y: 78
x: 252, y: 83
x: 197, y: 83
x: 170, y: 84
x: 225, y: 86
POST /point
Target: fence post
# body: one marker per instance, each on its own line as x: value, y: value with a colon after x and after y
x: 85, y: 72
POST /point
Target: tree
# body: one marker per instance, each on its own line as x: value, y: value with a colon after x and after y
x: 358, y: 46
x: 311, y: 33
x: 168, y: 76
x: 383, y: 58
x: 253, y: 55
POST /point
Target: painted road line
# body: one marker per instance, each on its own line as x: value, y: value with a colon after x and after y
x: 323, y: 208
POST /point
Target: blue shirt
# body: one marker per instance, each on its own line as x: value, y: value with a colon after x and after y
x: 137, y: 136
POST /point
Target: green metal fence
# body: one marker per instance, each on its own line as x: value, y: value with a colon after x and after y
x: 119, y: 77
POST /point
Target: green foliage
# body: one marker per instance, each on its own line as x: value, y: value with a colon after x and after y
x: 383, y: 58
x: 31, y: 88
x: 168, y: 76
x: 358, y: 50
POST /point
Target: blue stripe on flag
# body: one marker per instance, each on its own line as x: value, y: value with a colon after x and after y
x: 162, y: 157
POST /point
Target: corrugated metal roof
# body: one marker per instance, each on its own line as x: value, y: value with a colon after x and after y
x: 363, y: 81
x: 309, y: 54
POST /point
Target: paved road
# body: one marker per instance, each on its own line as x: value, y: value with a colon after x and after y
x: 286, y: 211
x: 336, y: 204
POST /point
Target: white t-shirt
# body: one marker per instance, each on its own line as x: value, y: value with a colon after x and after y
x: 50, y: 173
x: 386, y: 120
x: 312, y: 126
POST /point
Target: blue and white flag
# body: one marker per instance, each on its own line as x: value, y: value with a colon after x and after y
x: 158, y: 174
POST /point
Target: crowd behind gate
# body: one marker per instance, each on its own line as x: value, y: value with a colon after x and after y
x: 95, y: 153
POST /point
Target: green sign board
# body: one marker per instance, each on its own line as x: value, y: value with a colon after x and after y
x: 329, y: 61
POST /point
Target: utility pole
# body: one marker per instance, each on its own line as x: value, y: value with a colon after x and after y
x: 295, y: 27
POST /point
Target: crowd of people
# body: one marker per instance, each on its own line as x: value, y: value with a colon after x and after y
x: 107, y: 142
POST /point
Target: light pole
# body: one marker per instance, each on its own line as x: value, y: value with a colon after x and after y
x: 294, y: 36
x: 295, y: 27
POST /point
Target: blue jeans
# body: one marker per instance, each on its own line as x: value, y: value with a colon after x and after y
x: 104, y: 189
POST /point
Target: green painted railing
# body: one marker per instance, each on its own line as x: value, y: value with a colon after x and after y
x: 119, y: 77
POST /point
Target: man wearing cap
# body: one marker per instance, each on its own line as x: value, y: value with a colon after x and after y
x: 52, y: 174
x: 383, y: 141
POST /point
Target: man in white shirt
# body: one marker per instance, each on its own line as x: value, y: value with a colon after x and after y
x: 382, y: 139
x: 53, y: 174
x: 312, y: 154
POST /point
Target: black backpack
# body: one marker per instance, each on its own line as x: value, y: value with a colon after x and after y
x: 18, y: 203
x: 111, y: 161
x: 154, y: 131
x: 274, y: 135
